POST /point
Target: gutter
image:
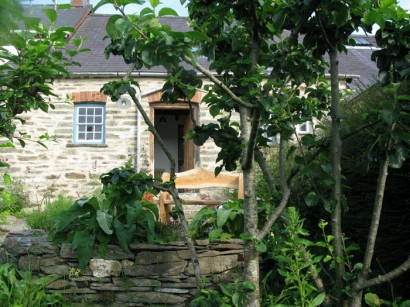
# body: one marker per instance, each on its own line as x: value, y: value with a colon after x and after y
x: 79, y: 75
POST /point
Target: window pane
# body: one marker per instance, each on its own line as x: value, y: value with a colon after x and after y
x: 90, y: 124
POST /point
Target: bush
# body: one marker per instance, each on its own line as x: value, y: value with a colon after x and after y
x: 122, y: 216
x: 47, y: 219
x: 13, y: 197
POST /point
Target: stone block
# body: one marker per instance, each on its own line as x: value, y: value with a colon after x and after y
x: 150, y: 298
x: 214, y: 265
x: 105, y: 268
x: 61, y: 284
x: 161, y: 257
x: 73, y: 175
x: 160, y: 269
x: 28, y: 242
x: 61, y: 269
x: 172, y: 290
x: 127, y: 282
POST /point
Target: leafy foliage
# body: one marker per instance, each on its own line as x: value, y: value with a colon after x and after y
x: 18, y: 289
x: 220, y: 223
x: 121, y: 217
x: 231, y: 294
x: 288, y: 253
x: 34, y: 59
x: 46, y: 219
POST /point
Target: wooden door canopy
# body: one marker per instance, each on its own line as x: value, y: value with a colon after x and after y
x: 198, y: 178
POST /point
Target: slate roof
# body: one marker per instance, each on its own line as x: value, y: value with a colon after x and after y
x: 94, y: 62
x: 356, y: 63
x: 67, y: 17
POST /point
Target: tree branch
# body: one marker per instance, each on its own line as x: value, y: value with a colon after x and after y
x: 285, y: 197
x: 405, y: 266
x: 322, y: 148
x: 265, y: 170
x: 218, y: 82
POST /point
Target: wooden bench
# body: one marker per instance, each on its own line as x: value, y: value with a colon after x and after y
x: 198, y: 178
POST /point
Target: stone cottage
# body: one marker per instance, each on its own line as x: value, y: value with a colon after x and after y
x: 93, y: 134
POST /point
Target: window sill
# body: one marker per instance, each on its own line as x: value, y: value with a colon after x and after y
x: 87, y: 145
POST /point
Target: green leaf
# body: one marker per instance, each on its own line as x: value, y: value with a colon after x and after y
x: 101, y: 3
x: 246, y: 236
x: 166, y: 11
x: 51, y: 14
x: 222, y: 216
x: 122, y: 25
x: 226, y: 289
x: 7, y: 180
x: 146, y: 11
x: 260, y: 247
x: 111, y: 28
x: 83, y: 242
x: 214, y: 110
x: 248, y: 286
x: 152, y: 207
x: 318, y: 300
x: 311, y: 199
x: 8, y: 144
x: 124, y: 233
x: 104, y: 219
x: 154, y: 3
x: 372, y: 300
x: 327, y: 258
x: 215, y: 234
x: 236, y: 299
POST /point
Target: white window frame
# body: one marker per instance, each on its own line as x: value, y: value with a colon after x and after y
x: 89, y: 123
x: 304, y: 128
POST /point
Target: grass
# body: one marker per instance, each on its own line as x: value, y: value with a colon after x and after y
x: 46, y: 219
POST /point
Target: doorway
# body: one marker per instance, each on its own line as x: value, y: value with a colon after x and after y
x: 172, y: 123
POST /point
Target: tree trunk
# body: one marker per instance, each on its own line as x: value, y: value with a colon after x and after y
x: 336, y: 152
x: 371, y: 239
x: 251, y: 255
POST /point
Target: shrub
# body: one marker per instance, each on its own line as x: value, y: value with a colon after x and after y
x: 46, y: 219
x: 13, y: 197
x: 17, y: 288
x: 121, y: 217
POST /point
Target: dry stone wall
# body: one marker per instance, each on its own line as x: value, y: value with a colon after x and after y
x: 159, y: 275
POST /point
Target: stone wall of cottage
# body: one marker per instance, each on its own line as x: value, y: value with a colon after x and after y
x: 159, y: 275
x: 63, y: 168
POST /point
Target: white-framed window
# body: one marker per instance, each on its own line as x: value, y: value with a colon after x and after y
x: 89, y: 123
x: 304, y: 128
